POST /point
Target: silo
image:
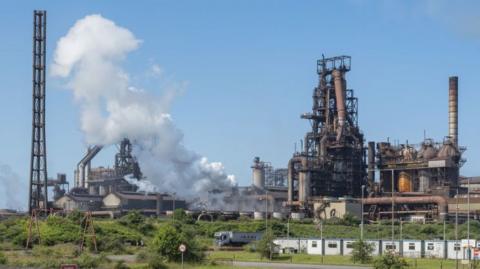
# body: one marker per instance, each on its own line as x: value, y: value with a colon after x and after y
x: 258, y: 171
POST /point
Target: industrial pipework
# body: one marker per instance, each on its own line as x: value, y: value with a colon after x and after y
x: 80, y: 175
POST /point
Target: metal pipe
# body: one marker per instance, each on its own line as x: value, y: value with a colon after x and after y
x: 371, y: 163
x: 453, y: 109
x: 81, y: 166
x: 440, y: 201
x: 340, y: 98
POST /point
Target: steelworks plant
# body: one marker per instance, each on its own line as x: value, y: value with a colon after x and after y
x: 332, y: 167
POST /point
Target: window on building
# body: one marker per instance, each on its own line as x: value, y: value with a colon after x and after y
x: 456, y: 247
x: 390, y: 246
x: 430, y: 246
x: 332, y: 245
x: 349, y: 245
x: 411, y: 246
x: 314, y: 244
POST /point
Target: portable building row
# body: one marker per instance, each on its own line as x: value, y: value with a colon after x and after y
x: 450, y: 249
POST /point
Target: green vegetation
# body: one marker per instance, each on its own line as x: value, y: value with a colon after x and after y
x: 170, y: 237
x: 390, y: 261
x: 155, y: 241
x: 362, y: 252
x: 265, y: 246
x: 3, y: 259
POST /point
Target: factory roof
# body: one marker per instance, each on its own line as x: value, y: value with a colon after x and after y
x: 473, y: 180
x: 141, y: 196
x: 85, y: 198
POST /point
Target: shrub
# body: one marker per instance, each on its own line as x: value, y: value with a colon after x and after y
x: 265, y: 246
x: 137, y: 221
x: 120, y: 265
x: 362, y: 252
x: 156, y: 262
x: 88, y: 261
x: 169, y: 238
x: 390, y: 261
x: 3, y: 258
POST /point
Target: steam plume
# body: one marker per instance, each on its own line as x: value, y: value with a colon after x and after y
x: 13, y: 192
x: 90, y: 58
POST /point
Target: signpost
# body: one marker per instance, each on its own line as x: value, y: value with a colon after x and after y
x: 182, y: 248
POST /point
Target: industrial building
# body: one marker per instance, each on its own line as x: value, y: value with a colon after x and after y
x: 417, y: 180
x: 328, y: 177
x: 331, y: 162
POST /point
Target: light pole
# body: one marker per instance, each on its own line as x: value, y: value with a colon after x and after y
x: 456, y: 230
x: 393, y: 206
x: 173, y: 211
x: 266, y: 211
x: 361, y: 224
x: 468, y: 217
x: 288, y: 227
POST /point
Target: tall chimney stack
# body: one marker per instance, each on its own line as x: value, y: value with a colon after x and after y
x: 453, y: 109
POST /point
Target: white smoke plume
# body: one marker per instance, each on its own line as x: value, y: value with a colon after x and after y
x: 13, y: 190
x: 89, y: 56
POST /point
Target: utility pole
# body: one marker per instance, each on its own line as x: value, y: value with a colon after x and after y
x: 468, y: 219
x: 393, y: 206
x: 456, y: 230
x: 361, y: 225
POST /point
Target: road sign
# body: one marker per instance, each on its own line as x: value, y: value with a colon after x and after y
x: 182, y: 248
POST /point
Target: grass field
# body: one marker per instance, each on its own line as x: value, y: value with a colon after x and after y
x: 332, y: 260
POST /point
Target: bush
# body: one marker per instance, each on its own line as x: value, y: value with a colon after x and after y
x: 88, y: 261
x: 137, y: 221
x: 169, y: 238
x: 362, y: 252
x: 156, y: 262
x: 265, y: 246
x: 120, y: 265
x: 3, y: 258
x: 389, y: 261
x: 180, y: 215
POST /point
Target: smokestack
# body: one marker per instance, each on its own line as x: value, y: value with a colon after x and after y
x: 453, y: 109
x: 340, y: 97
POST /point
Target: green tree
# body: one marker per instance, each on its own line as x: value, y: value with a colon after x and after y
x: 169, y: 238
x: 181, y: 216
x: 362, y: 252
x: 265, y: 246
x: 390, y: 261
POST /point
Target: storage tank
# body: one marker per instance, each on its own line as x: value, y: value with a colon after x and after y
x: 404, y: 182
x: 298, y: 215
x: 258, y: 169
x: 278, y: 215
x: 258, y: 215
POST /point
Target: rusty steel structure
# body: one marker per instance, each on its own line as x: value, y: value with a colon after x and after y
x: 332, y: 162
x: 421, y: 176
x: 38, y: 192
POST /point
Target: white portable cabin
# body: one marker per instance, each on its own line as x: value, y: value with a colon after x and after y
x: 376, y: 246
x: 333, y: 246
x: 348, y: 246
x: 412, y: 248
x: 434, y: 249
x: 291, y: 245
x: 454, y: 250
x: 389, y: 245
x: 314, y: 246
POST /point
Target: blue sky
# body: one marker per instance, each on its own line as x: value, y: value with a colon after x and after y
x: 249, y: 67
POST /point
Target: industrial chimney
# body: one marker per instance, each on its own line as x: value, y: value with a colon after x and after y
x: 453, y: 109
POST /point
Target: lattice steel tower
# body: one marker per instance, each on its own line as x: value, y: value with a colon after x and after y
x: 38, y: 196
